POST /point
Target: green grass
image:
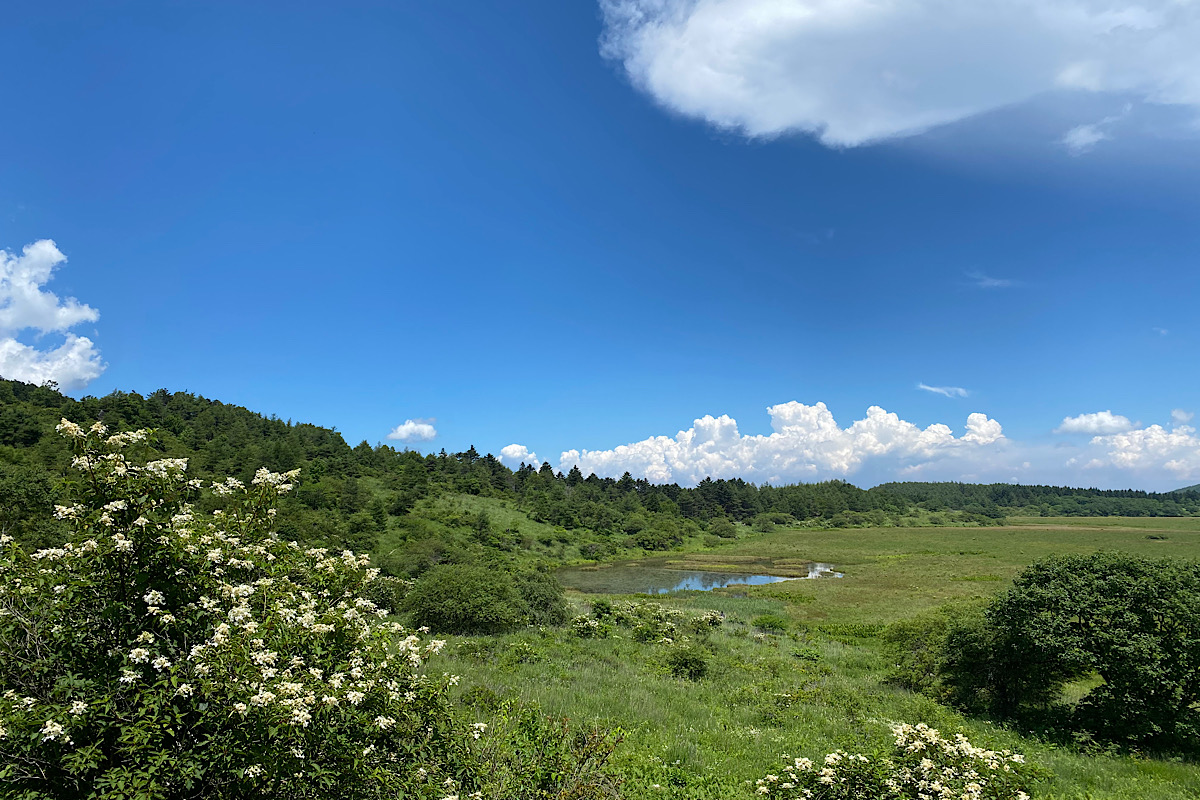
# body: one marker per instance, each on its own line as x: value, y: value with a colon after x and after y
x: 893, y: 573
x: 820, y: 686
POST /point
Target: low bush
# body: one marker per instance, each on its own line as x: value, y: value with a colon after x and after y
x: 543, y: 596
x: 687, y: 661
x: 772, y: 623
x: 465, y: 599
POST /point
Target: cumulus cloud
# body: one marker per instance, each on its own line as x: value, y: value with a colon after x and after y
x: 1181, y: 417
x: 1099, y: 422
x: 414, y: 430
x: 854, y: 71
x: 514, y: 454
x: 945, y: 391
x: 1153, y: 448
x: 807, y: 443
x: 26, y: 306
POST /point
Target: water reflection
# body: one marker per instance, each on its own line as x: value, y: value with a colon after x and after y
x: 635, y: 578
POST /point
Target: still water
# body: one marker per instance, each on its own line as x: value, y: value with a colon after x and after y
x: 638, y: 578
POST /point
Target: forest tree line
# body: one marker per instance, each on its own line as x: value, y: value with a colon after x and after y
x: 349, y: 496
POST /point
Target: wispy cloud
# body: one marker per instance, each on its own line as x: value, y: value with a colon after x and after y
x: 981, y: 281
x: 1161, y: 331
x: 414, y: 430
x: 945, y: 391
x: 1083, y: 138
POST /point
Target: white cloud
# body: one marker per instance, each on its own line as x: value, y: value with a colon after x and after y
x: 1161, y: 331
x: 807, y: 444
x: 857, y: 71
x: 945, y: 391
x: 414, y: 430
x: 1181, y: 417
x: 26, y: 306
x: 1154, y: 448
x: 514, y: 454
x: 1099, y: 422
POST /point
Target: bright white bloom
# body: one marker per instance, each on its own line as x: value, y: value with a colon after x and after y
x: 69, y: 429
x: 51, y: 731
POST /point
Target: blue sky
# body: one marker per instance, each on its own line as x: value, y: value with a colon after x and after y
x: 566, y: 230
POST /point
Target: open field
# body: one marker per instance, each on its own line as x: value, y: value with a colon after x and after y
x: 892, y: 573
x: 819, y: 685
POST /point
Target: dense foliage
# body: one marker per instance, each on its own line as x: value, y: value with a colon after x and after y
x: 1124, y: 630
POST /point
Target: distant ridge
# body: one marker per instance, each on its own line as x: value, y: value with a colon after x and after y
x: 1195, y: 488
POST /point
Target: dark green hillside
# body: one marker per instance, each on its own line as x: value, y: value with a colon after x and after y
x: 418, y: 510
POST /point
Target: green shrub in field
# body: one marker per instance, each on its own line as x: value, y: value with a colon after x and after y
x: 465, y: 599
x: 163, y: 654
x: 535, y: 757
x: 919, y: 652
x: 772, y: 623
x: 1133, y: 622
x: 687, y: 661
x: 922, y: 764
x: 543, y: 596
x: 722, y: 528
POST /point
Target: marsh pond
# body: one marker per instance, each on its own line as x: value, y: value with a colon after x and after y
x: 659, y: 576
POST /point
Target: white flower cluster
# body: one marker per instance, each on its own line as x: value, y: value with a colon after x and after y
x: 925, y: 765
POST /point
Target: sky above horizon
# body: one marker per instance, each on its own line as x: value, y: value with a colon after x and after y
x: 782, y: 240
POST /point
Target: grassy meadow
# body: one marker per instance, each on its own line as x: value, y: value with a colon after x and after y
x: 820, y: 683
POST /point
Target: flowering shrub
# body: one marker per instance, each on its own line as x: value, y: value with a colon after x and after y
x: 586, y: 627
x: 164, y: 654
x: 923, y: 765
x: 709, y: 619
